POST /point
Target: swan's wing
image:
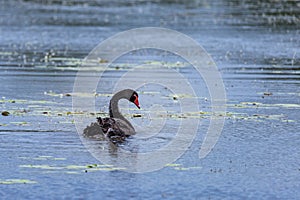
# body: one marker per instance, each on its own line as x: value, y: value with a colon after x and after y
x: 127, y: 129
x: 94, y: 130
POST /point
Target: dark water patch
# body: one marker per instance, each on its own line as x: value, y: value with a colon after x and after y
x: 266, y: 72
x: 34, y: 56
x: 280, y: 14
x: 97, y: 3
x: 284, y: 79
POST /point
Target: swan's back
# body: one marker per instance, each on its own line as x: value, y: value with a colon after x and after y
x: 122, y: 125
x: 117, y: 130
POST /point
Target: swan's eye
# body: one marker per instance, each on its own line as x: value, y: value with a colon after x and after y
x: 132, y: 98
x: 135, y: 99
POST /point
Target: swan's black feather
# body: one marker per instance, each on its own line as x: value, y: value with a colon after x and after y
x: 116, y: 127
x: 112, y: 129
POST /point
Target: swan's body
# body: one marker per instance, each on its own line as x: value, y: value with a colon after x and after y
x: 116, y: 127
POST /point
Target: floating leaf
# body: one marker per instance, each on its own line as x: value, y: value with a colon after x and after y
x: 181, y: 168
x: 16, y: 181
x: 286, y: 105
x: 41, y: 167
x: 19, y: 123
x: 103, y: 61
x: 268, y: 93
x: 5, y: 113
x: 72, y: 172
x: 59, y: 159
x: 81, y: 168
x: 172, y: 165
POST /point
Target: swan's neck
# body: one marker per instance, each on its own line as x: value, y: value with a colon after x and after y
x: 114, y: 107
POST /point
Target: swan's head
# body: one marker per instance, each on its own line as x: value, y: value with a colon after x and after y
x: 135, y: 99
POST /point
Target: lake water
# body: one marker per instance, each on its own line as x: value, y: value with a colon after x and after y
x: 256, y: 47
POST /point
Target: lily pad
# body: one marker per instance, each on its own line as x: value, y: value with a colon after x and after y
x: 182, y: 168
x: 19, y: 123
x: 173, y: 165
x: 16, y: 181
x: 75, y: 169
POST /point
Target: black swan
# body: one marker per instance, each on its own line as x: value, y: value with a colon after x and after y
x: 116, y: 127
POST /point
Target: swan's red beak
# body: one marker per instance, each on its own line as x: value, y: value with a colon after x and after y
x: 136, y: 102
